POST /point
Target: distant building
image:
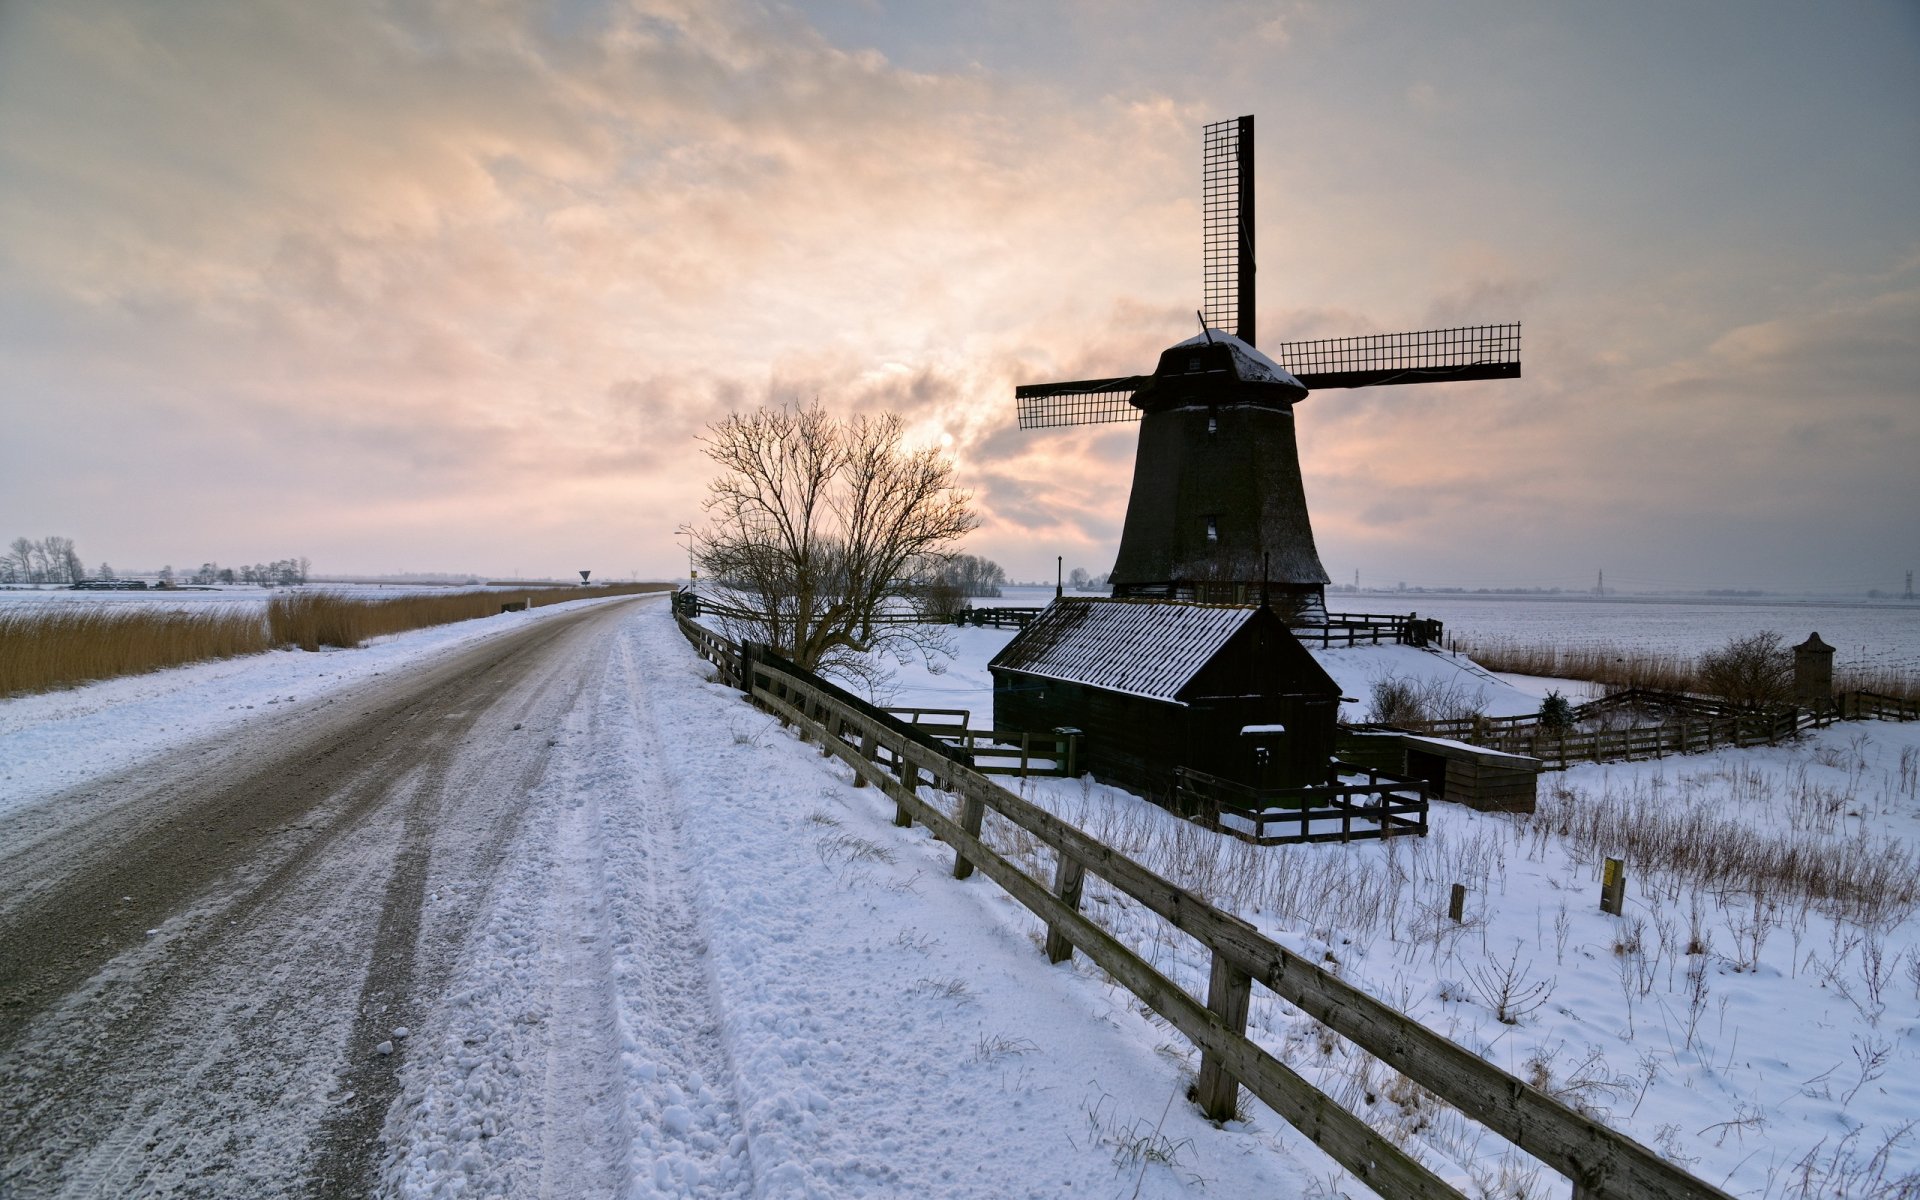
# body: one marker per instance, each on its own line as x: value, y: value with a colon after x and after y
x: 1156, y: 684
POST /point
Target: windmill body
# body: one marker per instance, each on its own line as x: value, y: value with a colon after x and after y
x: 1218, y: 511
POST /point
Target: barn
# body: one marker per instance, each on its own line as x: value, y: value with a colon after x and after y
x: 1158, y: 684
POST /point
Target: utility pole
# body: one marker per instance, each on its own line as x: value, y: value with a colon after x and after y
x: 1909, y: 594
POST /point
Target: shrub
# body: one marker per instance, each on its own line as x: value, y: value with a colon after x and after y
x: 1397, y: 701
x: 1755, y: 671
x: 1556, y: 713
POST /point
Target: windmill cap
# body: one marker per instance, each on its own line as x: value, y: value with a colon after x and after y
x: 1251, y: 365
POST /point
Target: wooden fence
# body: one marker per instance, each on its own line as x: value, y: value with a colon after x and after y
x: 1601, y: 1162
x: 1000, y: 751
x: 1693, y: 725
x: 1384, y: 806
x: 998, y: 618
x: 1367, y: 629
x: 1854, y: 706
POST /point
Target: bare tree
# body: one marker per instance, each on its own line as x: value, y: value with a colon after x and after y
x: 23, y: 555
x: 1755, y: 671
x: 817, y: 524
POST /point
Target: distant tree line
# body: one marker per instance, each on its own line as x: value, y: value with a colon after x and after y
x: 284, y: 572
x: 55, y: 560
x: 970, y: 575
x: 42, y: 560
x: 1080, y: 580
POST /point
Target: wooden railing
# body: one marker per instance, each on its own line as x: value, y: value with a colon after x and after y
x: 1384, y: 806
x: 1600, y: 1161
x: 998, y: 618
x: 1000, y: 751
x: 1854, y: 706
x: 719, y: 651
x: 1367, y: 629
x: 1694, y: 725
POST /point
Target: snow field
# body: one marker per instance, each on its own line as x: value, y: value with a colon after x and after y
x: 1775, y: 1060
x: 713, y: 968
x: 792, y: 996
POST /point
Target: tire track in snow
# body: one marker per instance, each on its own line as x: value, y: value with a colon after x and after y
x: 580, y: 1053
x: 229, y: 1055
x: 690, y: 1138
x: 523, y: 1095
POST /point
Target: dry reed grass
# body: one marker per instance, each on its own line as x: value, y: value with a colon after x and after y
x: 47, y: 646
x: 1619, y: 667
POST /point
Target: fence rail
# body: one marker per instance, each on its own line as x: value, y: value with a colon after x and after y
x: 1856, y: 705
x: 1694, y: 725
x: 1368, y: 629
x: 1398, y: 806
x: 1601, y: 1162
x: 998, y: 618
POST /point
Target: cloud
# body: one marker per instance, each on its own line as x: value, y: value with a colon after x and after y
x: 387, y: 275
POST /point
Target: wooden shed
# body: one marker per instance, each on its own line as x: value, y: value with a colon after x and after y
x: 1156, y: 684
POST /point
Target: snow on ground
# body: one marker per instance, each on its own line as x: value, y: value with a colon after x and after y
x: 806, y: 1004
x: 803, y: 1003
x: 1757, y: 1027
x: 716, y: 969
x: 57, y: 740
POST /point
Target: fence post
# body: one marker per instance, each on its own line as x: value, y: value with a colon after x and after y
x: 1613, y: 886
x: 1070, y: 740
x: 1457, y: 902
x: 1228, y: 991
x: 909, y: 776
x: 865, y: 746
x: 972, y: 809
x: 1068, y: 876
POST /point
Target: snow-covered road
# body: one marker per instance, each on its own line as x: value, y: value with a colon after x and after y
x: 549, y: 915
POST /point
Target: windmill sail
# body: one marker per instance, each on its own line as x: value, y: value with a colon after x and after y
x: 1078, y: 402
x: 1226, y: 226
x: 1428, y: 356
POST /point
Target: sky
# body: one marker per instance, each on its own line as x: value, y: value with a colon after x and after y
x: 457, y: 286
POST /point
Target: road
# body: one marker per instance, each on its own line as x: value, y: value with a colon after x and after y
x: 206, y: 964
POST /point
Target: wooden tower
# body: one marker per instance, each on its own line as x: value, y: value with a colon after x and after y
x: 1218, y: 511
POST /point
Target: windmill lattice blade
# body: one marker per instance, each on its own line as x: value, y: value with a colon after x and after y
x: 1078, y: 402
x: 1427, y: 356
x: 1226, y: 226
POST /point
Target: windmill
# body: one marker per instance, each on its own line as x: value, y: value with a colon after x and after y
x: 1217, y: 511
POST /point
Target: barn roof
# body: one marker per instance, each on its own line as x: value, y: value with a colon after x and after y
x: 1149, y: 648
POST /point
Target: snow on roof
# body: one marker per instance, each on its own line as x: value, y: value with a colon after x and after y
x: 1252, y: 365
x: 1142, y: 647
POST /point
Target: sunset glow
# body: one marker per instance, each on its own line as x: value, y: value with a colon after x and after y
x: 417, y: 287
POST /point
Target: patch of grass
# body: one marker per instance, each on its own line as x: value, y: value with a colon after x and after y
x: 311, y: 620
x: 848, y: 848
x: 941, y: 989
x: 48, y: 646
x: 993, y: 1046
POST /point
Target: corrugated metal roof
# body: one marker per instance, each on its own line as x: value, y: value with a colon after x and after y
x: 1143, y: 647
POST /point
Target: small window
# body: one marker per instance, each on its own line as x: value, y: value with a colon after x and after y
x: 1213, y: 529
x: 1193, y: 365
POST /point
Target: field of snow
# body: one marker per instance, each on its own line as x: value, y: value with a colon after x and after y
x: 1755, y: 1015
x: 864, y: 1025
x: 1881, y: 635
